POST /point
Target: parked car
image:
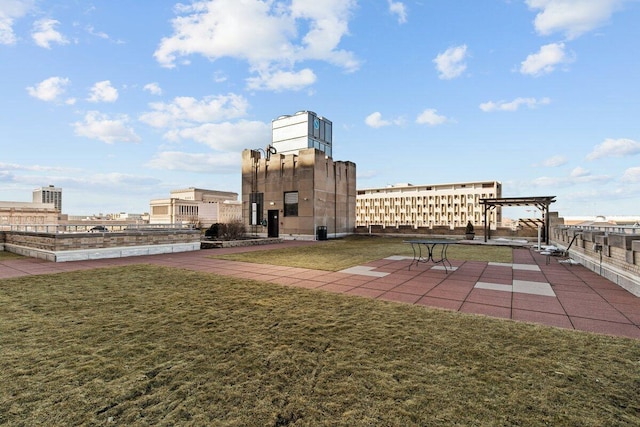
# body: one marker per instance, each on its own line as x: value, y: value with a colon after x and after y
x: 99, y: 229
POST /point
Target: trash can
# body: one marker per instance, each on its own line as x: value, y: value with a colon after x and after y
x: 321, y: 232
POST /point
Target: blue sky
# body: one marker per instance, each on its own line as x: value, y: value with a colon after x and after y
x: 119, y: 102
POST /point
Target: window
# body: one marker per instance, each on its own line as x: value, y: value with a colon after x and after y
x: 291, y: 203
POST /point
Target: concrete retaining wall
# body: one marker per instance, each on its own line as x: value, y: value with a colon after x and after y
x: 211, y: 244
x: 84, y: 246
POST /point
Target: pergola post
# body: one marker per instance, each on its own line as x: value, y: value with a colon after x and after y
x: 542, y: 203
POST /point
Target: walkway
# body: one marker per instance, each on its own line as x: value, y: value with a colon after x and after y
x: 561, y: 295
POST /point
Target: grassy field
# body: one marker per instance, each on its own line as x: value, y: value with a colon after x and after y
x: 147, y: 345
x: 338, y: 254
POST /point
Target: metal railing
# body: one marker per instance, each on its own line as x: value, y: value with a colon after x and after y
x: 619, y: 229
x: 92, y: 228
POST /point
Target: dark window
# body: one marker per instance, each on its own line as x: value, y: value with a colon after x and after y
x: 291, y: 203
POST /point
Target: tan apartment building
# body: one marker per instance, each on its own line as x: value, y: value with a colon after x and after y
x: 293, y: 188
x: 196, y: 206
x: 427, y: 205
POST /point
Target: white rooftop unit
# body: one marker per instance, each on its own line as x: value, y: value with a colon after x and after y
x: 302, y: 130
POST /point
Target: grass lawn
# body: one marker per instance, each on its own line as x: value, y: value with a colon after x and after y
x: 338, y: 254
x: 147, y: 345
x: 8, y: 255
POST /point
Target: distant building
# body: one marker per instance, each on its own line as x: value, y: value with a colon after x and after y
x: 293, y: 188
x: 48, y: 194
x: 125, y: 216
x: 427, y: 205
x: 27, y: 216
x: 196, y: 206
x: 601, y: 220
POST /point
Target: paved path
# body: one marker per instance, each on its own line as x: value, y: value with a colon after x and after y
x: 561, y: 295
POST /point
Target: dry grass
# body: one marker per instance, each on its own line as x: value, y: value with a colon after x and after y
x: 145, y: 345
x: 338, y: 254
x: 8, y: 255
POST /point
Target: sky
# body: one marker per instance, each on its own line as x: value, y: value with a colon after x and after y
x: 119, y: 102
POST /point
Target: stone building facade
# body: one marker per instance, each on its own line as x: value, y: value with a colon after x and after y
x: 196, y: 206
x: 303, y: 195
x: 435, y: 205
x: 293, y: 188
x: 27, y: 216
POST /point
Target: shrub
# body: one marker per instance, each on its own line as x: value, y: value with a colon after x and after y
x: 213, y: 231
x: 469, y: 228
x: 231, y: 231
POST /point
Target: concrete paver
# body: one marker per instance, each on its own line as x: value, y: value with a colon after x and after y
x: 554, y: 294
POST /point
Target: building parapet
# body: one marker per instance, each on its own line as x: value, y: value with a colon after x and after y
x: 612, y: 252
x: 92, y: 227
x: 59, y: 247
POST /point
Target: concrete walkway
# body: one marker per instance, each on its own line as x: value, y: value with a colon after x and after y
x: 529, y: 290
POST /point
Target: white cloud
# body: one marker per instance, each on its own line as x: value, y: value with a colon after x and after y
x: 219, y: 77
x: 44, y: 33
x: 186, y: 111
x: 49, y: 89
x: 513, y: 105
x: 225, y: 136
x: 118, y: 180
x: 38, y: 168
x: 196, y: 162
x: 450, y: 64
x: 615, y: 148
x: 10, y: 10
x: 282, y: 80
x: 555, y: 161
x: 546, y: 60
x: 269, y: 35
x: 6, y: 176
x: 153, y: 88
x: 579, y: 172
x: 99, y: 34
x: 431, y: 118
x: 572, y: 17
x: 103, y: 92
x: 101, y: 127
x: 578, y: 176
x: 631, y: 175
x: 399, y: 9
x: 375, y: 120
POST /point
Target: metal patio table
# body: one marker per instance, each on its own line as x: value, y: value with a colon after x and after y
x: 430, y: 248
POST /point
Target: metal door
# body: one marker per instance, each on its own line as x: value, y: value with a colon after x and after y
x: 272, y: 223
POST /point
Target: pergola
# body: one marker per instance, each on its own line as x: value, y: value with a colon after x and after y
x: 541, y: 203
